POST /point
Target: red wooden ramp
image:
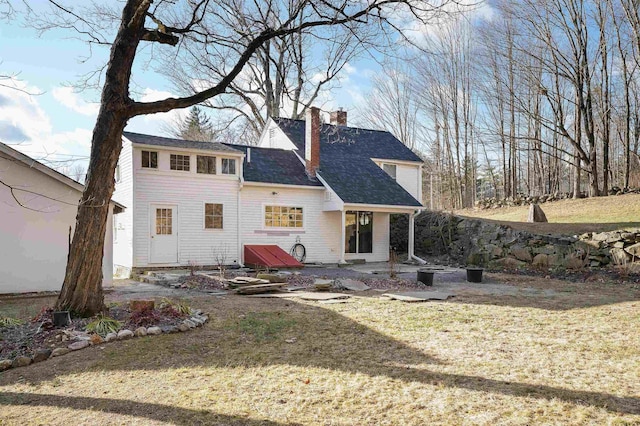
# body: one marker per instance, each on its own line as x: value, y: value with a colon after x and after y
x: 270, y: 256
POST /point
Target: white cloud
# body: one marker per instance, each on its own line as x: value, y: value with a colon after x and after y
x: 67, y: 97
x: 26, y: 126
x: 159, y: 123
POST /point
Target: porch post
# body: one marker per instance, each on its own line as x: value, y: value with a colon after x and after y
x: 412, y: 235
x: 343, y: 234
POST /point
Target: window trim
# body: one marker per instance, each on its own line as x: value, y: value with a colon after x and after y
x: 188, y: 156
x: 281, y: 228
x: 235, y: 166
x: 204, y: 216
x: 150, y: 162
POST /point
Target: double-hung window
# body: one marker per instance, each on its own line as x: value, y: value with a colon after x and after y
x: 212, y: 216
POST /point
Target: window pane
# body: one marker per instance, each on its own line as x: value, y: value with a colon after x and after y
x: 390, y: 169
x: 154, y: 160
x: 217, y: 209
x: 179, y: 162
x: 228, y: 166
x: 208, y: 222
x: 145, y: 158
x: 206, y: 164
x: 217, y: 222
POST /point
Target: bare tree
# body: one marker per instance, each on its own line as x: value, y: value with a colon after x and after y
x: 167, y: 24
x: 393, y: 105
x: 285, y: 75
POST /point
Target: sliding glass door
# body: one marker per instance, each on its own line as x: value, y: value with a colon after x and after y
x: 358, y: 232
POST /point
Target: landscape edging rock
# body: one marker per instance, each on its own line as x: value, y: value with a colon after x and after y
x: 197, y: 319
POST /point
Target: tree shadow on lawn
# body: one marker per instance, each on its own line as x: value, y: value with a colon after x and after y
x: 147, y: 410
x: 247, y: 332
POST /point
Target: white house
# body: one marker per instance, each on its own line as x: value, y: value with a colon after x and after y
x: 38, y: 209
x: 327, y: 186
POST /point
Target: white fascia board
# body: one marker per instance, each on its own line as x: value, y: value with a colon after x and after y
x: 390, y: 161
x: 281, y: 185
x: 383, y: 208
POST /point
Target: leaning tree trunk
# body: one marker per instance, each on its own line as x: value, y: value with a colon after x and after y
x: 82, y: 287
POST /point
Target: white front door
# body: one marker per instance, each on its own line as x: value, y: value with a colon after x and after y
x: 164, y: 234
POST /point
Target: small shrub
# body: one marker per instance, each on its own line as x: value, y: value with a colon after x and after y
x: 144, y: 318
x: 46, y: 313
x: 171, y: 312
x: 179, y: 305
x: 6, y: 322
x: 103, y: 325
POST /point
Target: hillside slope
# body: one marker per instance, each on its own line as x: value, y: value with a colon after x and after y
x: 570, y: 217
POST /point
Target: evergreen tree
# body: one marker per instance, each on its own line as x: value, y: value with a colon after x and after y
x: 196, y: 126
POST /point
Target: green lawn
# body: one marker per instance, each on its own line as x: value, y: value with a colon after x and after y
x: 568, y: 359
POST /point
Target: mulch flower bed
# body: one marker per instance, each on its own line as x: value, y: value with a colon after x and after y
x: 38, y: 339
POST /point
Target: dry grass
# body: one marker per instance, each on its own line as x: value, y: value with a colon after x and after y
x: 571, y: 216
x: 470, y: 361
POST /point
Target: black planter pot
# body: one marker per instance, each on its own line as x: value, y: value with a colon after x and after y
x: 61, y: 318
x: 425, y: 277
x: 474, y: 275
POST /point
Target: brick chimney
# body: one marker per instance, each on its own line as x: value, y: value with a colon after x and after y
x: 338, y: 118
x: 312, y: 140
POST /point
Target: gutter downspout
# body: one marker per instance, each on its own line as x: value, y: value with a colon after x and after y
x: 412, y: 238
x: 239, y: 217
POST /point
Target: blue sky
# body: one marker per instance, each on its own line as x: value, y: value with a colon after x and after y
x: 54, y: 121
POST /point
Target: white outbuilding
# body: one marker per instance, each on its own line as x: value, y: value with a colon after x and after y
x: 38, y: 208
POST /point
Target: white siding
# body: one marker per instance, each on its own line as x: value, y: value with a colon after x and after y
x: 380, y: 252
x: 322, y: 230
x: 123, y: 223
x: 274, y: 137
x: 408, y: 176
x: 188, y: 191
x: 34, y: 243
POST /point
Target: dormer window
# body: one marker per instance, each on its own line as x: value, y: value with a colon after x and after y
x: 390, y: 169
x: 228, y: 166
x: 179, y: 162
x: 149, y: 159
x: 206, y: 165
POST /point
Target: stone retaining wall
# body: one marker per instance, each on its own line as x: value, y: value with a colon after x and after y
x: 525, y: 200
x: 476, y: 242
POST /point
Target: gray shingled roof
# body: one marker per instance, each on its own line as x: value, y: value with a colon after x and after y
x: 270, y: 165
x: 346, y: 165
x: 177, y: 143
